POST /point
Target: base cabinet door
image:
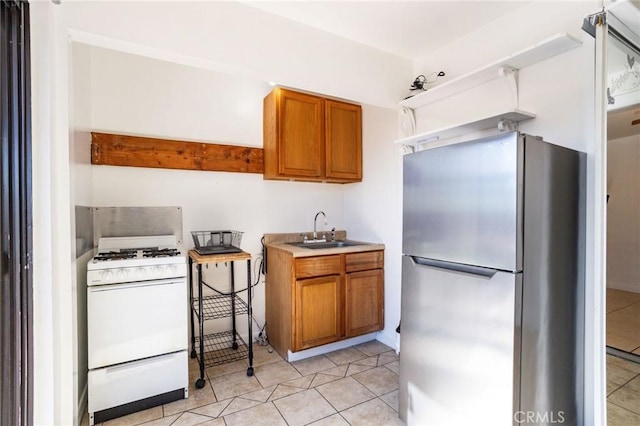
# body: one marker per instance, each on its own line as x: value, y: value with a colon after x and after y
x: 364, y: 310
x: 317, y: 312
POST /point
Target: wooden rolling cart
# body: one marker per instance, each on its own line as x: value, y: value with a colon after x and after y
x: 226, y: 346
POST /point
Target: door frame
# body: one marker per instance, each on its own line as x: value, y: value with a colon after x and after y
x: 601, y: 25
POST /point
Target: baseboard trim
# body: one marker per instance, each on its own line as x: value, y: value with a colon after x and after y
x: 324, y: 349
x: 622, y: 285
x: 391, y: 341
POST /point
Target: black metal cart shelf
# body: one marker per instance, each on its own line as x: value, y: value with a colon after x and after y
x: 226, y: 346
x: 219, y: 348
x: 219, y: 306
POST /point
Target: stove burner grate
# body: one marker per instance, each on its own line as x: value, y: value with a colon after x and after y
x: 115, y: 255
x: 168, y: 252
x: 136, y: 253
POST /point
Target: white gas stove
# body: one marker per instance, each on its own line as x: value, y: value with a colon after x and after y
x: 137, y: 325
x: 129, y: 259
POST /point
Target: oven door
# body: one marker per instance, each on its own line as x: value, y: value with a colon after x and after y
x: 131, y: 321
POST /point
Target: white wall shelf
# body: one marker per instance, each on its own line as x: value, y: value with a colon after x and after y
x: 539, y: 52
x: 506, y: 121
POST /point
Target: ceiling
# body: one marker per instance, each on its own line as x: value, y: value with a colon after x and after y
x: 408, y: 28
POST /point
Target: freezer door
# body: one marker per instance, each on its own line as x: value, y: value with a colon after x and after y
x: 462, y: 203
x: 457, y: 351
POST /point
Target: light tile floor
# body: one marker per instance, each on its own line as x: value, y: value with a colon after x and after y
x: 623, y: 392
x: 354, y: 386
x: 623, y: 320
x: 357, y: 386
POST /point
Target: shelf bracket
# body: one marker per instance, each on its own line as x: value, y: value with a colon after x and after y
x: 511, y: 74
x: 507, y: 125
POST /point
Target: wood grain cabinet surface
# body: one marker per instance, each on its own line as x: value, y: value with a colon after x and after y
x: 317, y: 311
x: 311, y: 138
x: 312, y: 301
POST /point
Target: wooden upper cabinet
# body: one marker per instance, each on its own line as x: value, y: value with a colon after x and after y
x: 308, y: 137
x: 294, y: 134
x: 343, y: 130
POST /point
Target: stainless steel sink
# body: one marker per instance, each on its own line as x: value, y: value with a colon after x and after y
x: 327, y: 244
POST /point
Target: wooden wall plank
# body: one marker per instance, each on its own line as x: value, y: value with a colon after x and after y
x: 136, y: 151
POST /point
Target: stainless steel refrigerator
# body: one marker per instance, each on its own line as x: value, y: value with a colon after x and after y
x: 492, y: 284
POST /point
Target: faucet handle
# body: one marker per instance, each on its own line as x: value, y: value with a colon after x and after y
x: 305, y: 238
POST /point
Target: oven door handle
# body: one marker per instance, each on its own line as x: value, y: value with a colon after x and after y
x: 137, y: 284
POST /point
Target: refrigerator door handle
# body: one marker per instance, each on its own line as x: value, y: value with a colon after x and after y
x: 456, y: 267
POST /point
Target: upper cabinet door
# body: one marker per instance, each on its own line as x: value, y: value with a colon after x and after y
x: 343, y: 127
x: 295, y: 133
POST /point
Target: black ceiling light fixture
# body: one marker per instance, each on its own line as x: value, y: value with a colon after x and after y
x: 418, y: 85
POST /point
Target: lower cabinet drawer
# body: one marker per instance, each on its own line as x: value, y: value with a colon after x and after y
x: 364, y: 261
x: 317, y: 266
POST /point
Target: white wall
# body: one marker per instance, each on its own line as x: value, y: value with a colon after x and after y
x: 82, y: 195
x: 232, y: 37
x: 132, y: 94
x: 373, y: 208
x: 623, y: 214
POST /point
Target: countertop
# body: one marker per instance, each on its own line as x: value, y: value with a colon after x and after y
x: 279, y: 242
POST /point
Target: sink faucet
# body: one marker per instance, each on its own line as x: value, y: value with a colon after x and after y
x: 315, y: 221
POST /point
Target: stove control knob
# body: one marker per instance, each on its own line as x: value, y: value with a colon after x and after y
x: 107, y: 275
x: 156, y: 271
x: 172, y: 269
x: 121, y: 274
x: 140, y: 272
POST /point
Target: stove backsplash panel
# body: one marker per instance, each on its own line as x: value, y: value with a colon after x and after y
x: 136, y: 221
x: 84, y: 230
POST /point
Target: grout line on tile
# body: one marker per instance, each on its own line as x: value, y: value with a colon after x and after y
x: 620, y: 309
x: 343, y: 417
x: 611, y: 393
x: 243, y: 409
x: 385, y: 403
x: 624, y: 408
x: 363, y: 402
x: 622, y: 386
x: 280, y: 412
x: 173, y: 422
x: 274, y: 389
x: 338, y: 411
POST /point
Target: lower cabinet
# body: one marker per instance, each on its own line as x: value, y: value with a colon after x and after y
x: 317, y: 311
x: 315, y: 300
x: 364, y: 302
